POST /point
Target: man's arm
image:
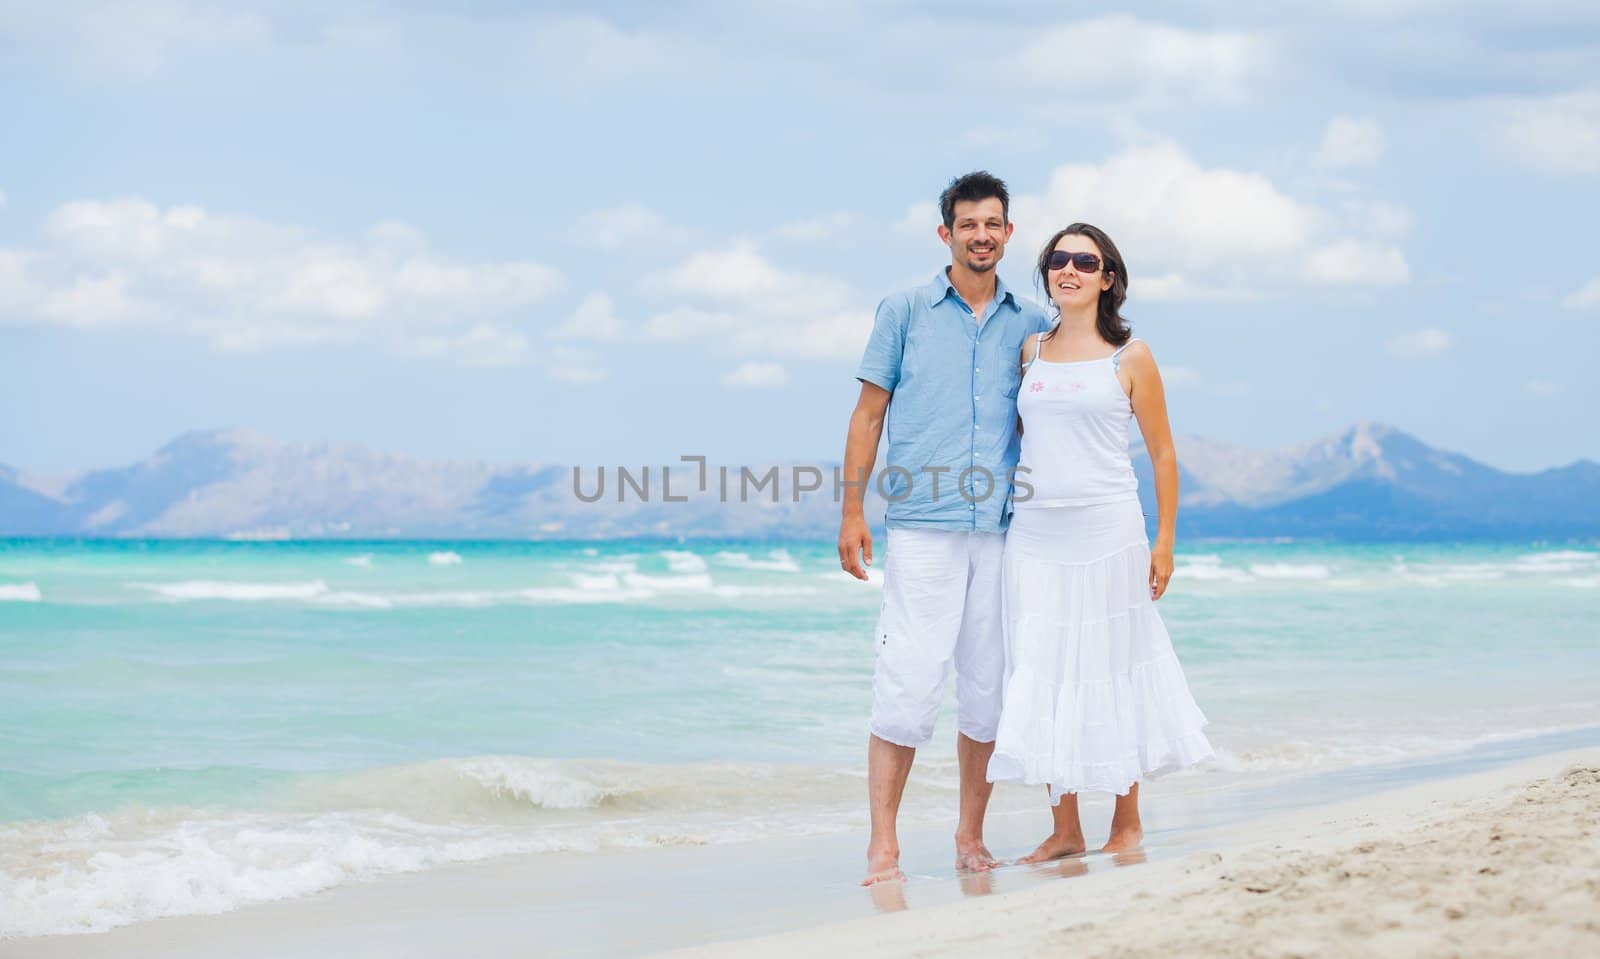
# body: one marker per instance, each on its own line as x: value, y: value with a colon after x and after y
x: 860, y: 453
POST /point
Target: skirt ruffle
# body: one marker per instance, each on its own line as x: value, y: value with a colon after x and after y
x: 1095, y: 699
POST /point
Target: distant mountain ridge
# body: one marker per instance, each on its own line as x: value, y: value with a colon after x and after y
x: 1371, y: 482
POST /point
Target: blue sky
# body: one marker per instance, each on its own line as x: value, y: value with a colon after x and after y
x: 618, y: 234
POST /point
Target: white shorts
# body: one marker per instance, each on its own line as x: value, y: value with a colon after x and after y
x: 941, y: 604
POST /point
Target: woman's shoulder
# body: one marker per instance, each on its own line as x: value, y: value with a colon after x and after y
x: 1136, y: 349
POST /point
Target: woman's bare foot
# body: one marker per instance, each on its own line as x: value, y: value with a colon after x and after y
x: 973, y: 856
x: 1056, y: 847
x: 883, y: 865
x: 1127, y: 837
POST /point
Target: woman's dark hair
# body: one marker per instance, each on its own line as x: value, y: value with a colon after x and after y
x: 972, y: 188
x: 1113, y: 328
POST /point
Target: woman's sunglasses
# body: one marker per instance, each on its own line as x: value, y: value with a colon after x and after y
x: 1083, y: 262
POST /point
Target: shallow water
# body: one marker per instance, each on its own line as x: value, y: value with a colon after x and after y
x: 192, y: 726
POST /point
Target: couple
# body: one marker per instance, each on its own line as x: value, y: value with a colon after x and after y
x: 1056, y: 620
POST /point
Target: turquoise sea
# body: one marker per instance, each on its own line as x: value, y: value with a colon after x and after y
x: 193, y: 726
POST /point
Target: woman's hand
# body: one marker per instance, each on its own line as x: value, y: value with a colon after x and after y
x: 1160, y: 570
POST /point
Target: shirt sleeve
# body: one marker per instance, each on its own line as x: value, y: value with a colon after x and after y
x: 880, y: 364
x: 1043, y: 321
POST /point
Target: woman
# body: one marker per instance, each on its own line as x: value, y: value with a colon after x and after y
x: 1094, y: 696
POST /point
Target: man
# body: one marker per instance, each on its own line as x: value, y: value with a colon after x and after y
x: 942, y: 366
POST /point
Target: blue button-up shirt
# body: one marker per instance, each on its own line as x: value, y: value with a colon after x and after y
x: 952, y: 423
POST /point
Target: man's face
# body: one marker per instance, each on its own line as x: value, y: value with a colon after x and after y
x: 977, y: 238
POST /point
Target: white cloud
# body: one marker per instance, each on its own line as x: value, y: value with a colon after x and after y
x: 578, y: 367
x: 484, y: 346
x: 1174, y: 288
x: 2, y: 199
x: 247, y: 284
x: 616, y: 227
x: 1351, y: 142
x: 748, y: 304
x: 1421, y: 343
x: 1120, y: 57
x: 1186, y: 379
x: 595, y: 319
x: 756, y: 376
x: 1346, y: 262
x: 1543, y: 388
x: 1587, y: 298
x: 1190, y: 232
x: 1378, y: 217
x: 684, y: 322
x: 922, y: 219
x: 825, y: 228
x: 1556, y: 135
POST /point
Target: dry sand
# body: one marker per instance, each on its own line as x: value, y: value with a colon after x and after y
x: 1497, y: 864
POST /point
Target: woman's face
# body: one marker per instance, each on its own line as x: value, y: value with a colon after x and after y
x: 1071, y: 289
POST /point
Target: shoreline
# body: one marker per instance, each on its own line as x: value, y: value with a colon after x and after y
x: 804, y: 887
x: 1493, y: 863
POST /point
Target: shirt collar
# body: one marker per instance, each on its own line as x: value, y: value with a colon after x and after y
x: 941, y: 287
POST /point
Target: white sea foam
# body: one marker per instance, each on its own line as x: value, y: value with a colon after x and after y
x: 777, y: 561
x: 752, y: 592
x: 680, y: 561
x: 204, y: 589
x: 1290, y: 570
x: 1583, y: 582
x: 95, y: 872
x: 444, y: 558
x: 1209, y: 569
x: 364, y: 561
x: 1562, y: 561
x: 20, y: 593
x: 699, y: 582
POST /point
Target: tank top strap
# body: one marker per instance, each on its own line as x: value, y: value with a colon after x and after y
x: 1116, y: 358
x: 1038, y: 341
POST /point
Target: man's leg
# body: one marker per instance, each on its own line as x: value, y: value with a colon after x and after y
x: 971, y: 854
x: 924, y: 578
x: 980, y: 677
x: 888, y: 765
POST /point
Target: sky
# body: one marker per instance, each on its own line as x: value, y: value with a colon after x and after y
x: 624, y: 233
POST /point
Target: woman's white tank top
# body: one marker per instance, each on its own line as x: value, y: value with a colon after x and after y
x: 1075, y: 419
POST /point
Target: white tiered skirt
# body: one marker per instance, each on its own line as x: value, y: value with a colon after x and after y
x: 1094, y: 697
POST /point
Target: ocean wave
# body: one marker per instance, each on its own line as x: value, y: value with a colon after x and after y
x: 1305, y: 755
x: 444, y: 558
x: 777, y: 561
x: 197, y: 589
x: 1290, y: 571
x: 680, y: 561
x: 1210, y: 569
x: 93, y: 872
x: 20, y: 593
x: 364, y: 561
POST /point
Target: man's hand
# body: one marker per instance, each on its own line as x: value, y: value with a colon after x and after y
x: 855, y: 541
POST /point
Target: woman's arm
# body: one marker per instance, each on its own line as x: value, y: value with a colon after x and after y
x: 1142, y: 380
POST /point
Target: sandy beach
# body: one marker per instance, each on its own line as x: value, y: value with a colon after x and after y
x: 1501, y: 861
x: 1505, y: 863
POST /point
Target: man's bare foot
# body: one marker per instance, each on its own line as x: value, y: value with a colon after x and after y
x: 883, y: 865
x: 973, y: 856
x: 1122, y: 839
x: 1056, y: 847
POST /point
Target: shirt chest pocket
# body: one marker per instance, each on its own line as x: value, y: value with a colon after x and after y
x: 1008, y: 367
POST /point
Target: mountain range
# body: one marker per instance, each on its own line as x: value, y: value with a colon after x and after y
x: 1370, y: 483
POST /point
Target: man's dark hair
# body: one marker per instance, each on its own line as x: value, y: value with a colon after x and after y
x: 971, y: 188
